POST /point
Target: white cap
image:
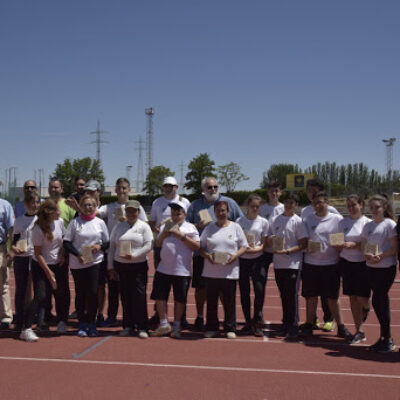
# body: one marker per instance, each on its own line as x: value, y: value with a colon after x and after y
x: 177, y: 204
x: 170, y: 180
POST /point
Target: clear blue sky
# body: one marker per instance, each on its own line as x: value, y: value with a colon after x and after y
x: 256, y: 82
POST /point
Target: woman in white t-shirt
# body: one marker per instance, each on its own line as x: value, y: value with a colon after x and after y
x: 22, y: 249
x: 47, y: 236
x: 86, y: 240
x: 379, y: 246
x: 352, y: 264
x: 130, y: 242
x: 222, y: 243
x: 253, y: 265
x: 178, y: 240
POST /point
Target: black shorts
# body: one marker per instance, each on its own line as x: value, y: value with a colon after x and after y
x: 103, y: 272
x: 320, y: 280
x: 355, y: 278
x: 198, y: 265
x: 162, y: 286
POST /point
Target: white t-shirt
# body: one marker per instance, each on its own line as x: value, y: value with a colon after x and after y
x: 51, y: 251
x: 352, y: 229
x: 227, y: 239
x: 108, y: 213
x: 268, y: 212
x: 258, y: 227
x: 160, y: 209
x: 85, y: 233
x: 176, y: 257
x: 23, y: 226
x: 319, y: 229
x: 292, y: 229
x: 306, y: 211
x: 139, y: 235
x: 381, y: 234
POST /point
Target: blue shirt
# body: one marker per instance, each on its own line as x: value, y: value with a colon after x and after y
x: 200, y: 204
x: 6, y: 219
x: 19, y: 209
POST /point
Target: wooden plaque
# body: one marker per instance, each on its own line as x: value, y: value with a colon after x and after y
x: 22, y: 245
x: 87, y: 255
x: 251, y: 239
x: 125, y: 248
x: 371, y: 248
x: 221, y: 258
x: 278, y: 243
x: 314, y: 247
x: 205, y: 216
x: 336, y: 239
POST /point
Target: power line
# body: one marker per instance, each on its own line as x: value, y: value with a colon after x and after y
x: 98, y: 140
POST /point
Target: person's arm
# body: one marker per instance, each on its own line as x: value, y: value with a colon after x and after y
x: 187, y: 240
x: 205, y: 255
x: 239, y: 253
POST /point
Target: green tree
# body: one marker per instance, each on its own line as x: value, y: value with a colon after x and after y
x: 155, y: 178
x: 87, y: 168
x: 199, y: 168
x: 229, y: 175
x: 278, y: 172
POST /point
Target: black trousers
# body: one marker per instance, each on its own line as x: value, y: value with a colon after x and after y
x: 43, y: 291
x: 21, y: 273
x: 380, y: 281
x: 227, y: 287
x: 133, y: 282
x: 255, y: 269
x: 86, y: 288
x: 288, y: 281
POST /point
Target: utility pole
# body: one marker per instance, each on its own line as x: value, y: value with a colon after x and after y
x: 139, y: 172
x: 389, y: 160
x: 181, y: 181
x: 98, y: 141
x: 149, y: 139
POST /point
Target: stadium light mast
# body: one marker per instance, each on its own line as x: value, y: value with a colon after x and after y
x: 389, y: 143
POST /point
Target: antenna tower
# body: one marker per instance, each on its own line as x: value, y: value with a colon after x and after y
x: 389, y: 154
x: 139, y: 176
x: 149, y: 138
x: 98, y: 140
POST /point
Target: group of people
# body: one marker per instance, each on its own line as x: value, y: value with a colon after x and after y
x: 209, y: 244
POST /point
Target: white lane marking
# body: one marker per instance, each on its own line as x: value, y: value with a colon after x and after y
x: 201, y: 367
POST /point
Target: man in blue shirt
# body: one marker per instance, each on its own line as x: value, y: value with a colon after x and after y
x: 210, y: 195
x: 6, y: 225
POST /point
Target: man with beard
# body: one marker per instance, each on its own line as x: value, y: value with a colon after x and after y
x: 200, y: 213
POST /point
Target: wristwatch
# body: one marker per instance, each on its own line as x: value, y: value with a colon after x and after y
x: 287, y: 252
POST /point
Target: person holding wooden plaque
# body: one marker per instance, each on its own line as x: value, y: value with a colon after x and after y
x: 352, y: 264
x: 130, y: 243
x: 381, y: 267
x: 288, y: 261
x: 226, y: 237
x: 86, y: 241
x: 253, y: 265
x: 320, y: 274
x: 22, y: 249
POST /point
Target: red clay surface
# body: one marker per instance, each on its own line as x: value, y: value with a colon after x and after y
x: 320, y: 367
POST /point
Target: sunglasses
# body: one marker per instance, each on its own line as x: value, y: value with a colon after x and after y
x: 30, y: 187
x: 212, y: 187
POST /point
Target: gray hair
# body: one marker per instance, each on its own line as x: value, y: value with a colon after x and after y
x: 203, y: 181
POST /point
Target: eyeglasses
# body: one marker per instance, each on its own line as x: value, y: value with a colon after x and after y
x: 212, y: 187
x: 30, y: 187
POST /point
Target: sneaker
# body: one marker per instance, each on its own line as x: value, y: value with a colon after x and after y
x: 125, y: 332
x: 82, y: 330
x: 344, y: 333
x: 73, y: 315
x: 42, y: 327
x: 316, y: 323
x: 61, y: 327
x: 92, y: 331
x: 306, y: 329
x: 257, y: 331
x: 376, y: 345
x: 143, y: 334
x: 293, y: 332
x: 110, y: 322
x: 176, y: 333
x: 247, y: 328
x: 283, y: 329
x: 184, y: 324
x: 386, y: 346
x: 210, y: 334
x: 231, y: 335
x: 329, y: 326
x: 162, y: 331
x: 358, y: 337
x: 199, y: 324
x: 28, y: 335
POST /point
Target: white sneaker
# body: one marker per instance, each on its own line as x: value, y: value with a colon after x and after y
x: 231, y: 335
x: 143, y: 334
x: 28, y: 335
x: 210, y: 334
x: 162, y: 331
x: 125, y: 332
x: 61, y: 327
